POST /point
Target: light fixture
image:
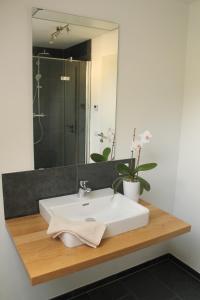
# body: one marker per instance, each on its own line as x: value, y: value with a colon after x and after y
x: 59, y: 30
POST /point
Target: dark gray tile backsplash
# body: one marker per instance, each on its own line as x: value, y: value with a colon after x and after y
x: 22, y: 190
x: 99, y: 175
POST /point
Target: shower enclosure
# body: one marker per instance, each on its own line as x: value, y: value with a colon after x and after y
x: 60, y: 101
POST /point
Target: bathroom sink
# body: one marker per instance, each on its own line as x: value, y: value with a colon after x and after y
x: 118, y: 212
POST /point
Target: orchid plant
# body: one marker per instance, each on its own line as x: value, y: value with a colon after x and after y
x: 108, y: 153
x: 131, y: 173
x: 96, y: 157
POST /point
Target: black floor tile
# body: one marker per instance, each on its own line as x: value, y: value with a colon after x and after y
x: 113, y: 291
x: 129, y: 297
x: 165, y: 278
x: 147, y: 287
x: 82, y: 297
x: 180, y: 282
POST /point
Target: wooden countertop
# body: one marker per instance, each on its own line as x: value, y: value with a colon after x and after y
x: 45, y: 259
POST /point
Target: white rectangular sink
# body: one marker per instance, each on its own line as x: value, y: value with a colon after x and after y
x: 119, y: 213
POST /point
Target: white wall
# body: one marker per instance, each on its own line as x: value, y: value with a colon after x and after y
x: 103, y: 88
x: 151, y: 62
x: 187, y: 201
x: 151, y: 78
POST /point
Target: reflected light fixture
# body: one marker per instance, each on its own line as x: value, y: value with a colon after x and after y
x: 59, y: 30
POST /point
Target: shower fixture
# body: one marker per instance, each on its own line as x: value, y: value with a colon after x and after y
x: 38, y: 77
x: 59, y: 30
x: 38, y: 114
x: 42, y: 115
x: 44, y: 53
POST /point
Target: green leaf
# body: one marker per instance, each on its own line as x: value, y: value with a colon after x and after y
x: 143, y: 184
x: 123, y: 169
x: 145, y: 167
x: 141, y: 188
x: 106, y: 153
x: 117, y: 182
x: 97, y: 157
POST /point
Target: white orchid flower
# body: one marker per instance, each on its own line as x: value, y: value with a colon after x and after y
x: 145, y: 137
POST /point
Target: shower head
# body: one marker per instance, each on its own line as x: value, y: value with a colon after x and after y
x: 44, y: 53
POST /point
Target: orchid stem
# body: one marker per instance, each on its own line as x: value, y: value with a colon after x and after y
x: 134, y: 134
x: 113, y: 148
x: 132, y: 152
x: 139, y: 154
x: 138, y: 160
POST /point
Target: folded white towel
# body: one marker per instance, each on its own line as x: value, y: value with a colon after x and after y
x: 89, y: 233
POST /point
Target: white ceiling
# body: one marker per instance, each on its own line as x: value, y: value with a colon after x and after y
x: 81, y: 28
x: 42, y: 30
x: 44, y: 14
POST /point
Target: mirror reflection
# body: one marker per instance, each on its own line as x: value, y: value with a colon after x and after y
x: 74, y: 88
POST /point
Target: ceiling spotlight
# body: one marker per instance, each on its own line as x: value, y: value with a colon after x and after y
x: 67, y: 28
x: 59, y: 30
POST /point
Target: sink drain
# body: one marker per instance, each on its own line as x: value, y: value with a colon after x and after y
x: 90, y: 219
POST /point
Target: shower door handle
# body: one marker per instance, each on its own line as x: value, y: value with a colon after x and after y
x: 71, y: 128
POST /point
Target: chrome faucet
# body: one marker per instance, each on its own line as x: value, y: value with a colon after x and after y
x: 83, y: 189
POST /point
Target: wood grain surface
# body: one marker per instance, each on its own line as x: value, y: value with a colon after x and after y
x: 45, y: 259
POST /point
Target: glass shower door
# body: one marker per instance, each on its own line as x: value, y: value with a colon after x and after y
x: 59, y: 112
x: 48, y: 128
x: 75, y: 112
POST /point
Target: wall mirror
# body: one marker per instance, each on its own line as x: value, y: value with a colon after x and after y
x: 74, y: 87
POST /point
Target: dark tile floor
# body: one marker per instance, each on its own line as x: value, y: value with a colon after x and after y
x: 165, y: 278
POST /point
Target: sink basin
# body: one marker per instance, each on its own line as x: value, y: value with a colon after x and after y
x: 118, y: 212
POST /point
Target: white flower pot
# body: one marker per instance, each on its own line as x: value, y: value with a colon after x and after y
x: 131, y: 190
